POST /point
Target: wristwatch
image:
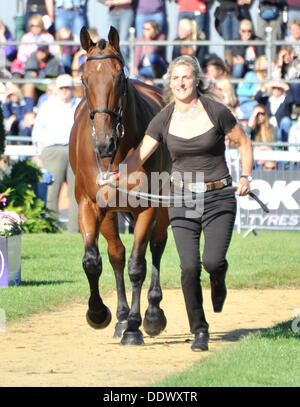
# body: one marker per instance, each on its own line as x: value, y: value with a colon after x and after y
x: 248, y: 177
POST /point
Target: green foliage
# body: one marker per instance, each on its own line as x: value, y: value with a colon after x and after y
x: 2, y: 132
x: 22, y: 182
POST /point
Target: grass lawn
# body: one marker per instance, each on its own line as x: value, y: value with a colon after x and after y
x: 267, y: 358
x: 52, y: 272
x: 52, y: 275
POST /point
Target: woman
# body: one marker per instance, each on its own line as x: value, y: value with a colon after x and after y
x: 194, y: 127
x: 31, y: 39
x: 247, y: 90
x: 17, y: 112
x: 150, y: 60
x: 260, y: 130
x: 187, y: 31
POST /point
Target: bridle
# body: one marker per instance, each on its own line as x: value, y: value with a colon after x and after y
x: 119, y: 129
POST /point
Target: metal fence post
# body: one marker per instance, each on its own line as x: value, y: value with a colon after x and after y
x: 132, y: 41
x: 269, y: 50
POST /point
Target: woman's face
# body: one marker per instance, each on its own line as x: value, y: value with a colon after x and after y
x: 35, y: 27
x: 183, y: 83
x: 213, y: 72
x: 148, y: 31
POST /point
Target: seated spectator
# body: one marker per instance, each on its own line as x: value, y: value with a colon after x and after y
x: 246, y: 91
x: 18, y: 112
x: 65, y: 53
x: 225, y: 90
x: 260, y: 130
x: 78, y: 63
x: 196, y: 9
x: 9, y: 51
x: 41, y: 64
x: 269, y: 166
x: 244, y: 56
x: 150, y: 60
x: 36, y: 35
x: 294, y: 27
x: 187, y: 31
x: 150, y: 10
x: 278, y: 99
x: 42, y: 7
x: 216, y: 70
x: 288, y: 67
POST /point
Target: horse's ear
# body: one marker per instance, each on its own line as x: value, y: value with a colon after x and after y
x: 85, y: 39
x: 113, y: 38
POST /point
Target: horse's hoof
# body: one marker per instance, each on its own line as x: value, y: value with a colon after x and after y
x: 154, y: 326
x: 132, y: 338
x: 120, y: 328
x: 92, y: 318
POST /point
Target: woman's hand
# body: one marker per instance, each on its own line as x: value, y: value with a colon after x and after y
x: 112, y: 178
x: 243, y: 187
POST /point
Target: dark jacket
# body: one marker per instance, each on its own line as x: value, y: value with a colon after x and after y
x: 284, y: 110
x: 51, y: 68
x: 241, y: 49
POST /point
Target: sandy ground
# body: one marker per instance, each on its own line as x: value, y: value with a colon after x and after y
x: 60, y: 349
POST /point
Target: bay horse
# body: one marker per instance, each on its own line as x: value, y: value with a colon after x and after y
x: 109, y: 125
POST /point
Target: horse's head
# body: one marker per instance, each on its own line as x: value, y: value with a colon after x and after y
x: 105, y: 90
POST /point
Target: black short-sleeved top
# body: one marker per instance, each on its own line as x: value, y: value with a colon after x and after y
x: 203, y: 153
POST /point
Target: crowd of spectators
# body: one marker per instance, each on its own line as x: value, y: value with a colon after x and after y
x: 268, y: 111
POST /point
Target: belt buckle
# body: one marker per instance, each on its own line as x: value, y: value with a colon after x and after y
x: 224, y: 182
x: 198, y: 187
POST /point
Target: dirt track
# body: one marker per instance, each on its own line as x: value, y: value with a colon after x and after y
x: 60, y: 349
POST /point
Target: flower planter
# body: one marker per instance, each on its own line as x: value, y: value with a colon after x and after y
x: 10, y: 260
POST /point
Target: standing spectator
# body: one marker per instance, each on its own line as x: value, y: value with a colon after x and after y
x: 244, y: 56
x: 121, y: 16
x: 50, y: 135
x: 150, y: 60
x: 33, y: 37
x: 187, y: 31
x: 40, y: 64
x: 279, y: 106
x: 271, y: 14
x: 16, y: 109
x: 71, y: 14
x: 9, y: 51
x: 150, y: 10
x: 227, y: 19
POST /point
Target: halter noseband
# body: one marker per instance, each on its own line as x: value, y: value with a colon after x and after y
x: 118, y: 114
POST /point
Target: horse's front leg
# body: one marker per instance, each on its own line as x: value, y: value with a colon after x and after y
x: 155, y: 320
x: 116, y: 254
x: 137, y: 272
x: 98, y: 315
